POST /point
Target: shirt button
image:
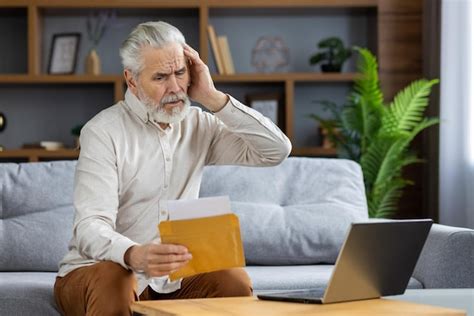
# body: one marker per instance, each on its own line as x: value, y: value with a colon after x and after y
x: 163, y: 213
x: 168, y: 159
x: 166, y: 186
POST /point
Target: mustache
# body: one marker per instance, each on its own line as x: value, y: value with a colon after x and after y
x: 174, y: 98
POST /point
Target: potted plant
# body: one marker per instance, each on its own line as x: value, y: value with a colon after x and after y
x: 378, y: 135
x: 333, y: 54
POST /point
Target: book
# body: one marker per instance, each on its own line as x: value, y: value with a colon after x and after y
x: 226, y: 55
x: 215, y: 49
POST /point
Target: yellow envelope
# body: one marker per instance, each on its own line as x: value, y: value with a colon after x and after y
x: 213, y: 241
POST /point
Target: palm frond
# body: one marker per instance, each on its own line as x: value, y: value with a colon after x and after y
x: 384, y: 202
x: 368, y: 85
x: 372, y: 159
x: 366, y: 102
x: 407, y: 108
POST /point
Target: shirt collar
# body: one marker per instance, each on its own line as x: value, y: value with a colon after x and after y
x: 136, y: 106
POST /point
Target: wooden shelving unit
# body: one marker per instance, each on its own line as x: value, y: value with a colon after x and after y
x: 35, y: 10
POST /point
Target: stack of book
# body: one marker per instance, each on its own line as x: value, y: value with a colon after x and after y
x: 221, y: 50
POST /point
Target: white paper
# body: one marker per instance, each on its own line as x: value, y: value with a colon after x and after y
x: 204, y: 207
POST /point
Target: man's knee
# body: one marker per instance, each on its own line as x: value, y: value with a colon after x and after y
x: 232, y: 282
x: 113, y: 281
x: 106, y: 288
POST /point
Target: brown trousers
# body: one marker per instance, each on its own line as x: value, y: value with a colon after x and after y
x: 106, y: 288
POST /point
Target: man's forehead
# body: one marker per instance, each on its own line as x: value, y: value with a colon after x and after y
x: 164, y: 58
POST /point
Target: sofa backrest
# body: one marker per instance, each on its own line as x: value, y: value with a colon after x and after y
x: 295, y: 213
x: 36, y: 214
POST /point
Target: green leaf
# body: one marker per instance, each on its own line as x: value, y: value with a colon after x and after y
x: 318, y: 57
x: 407, y: 108
x: 384, y: 200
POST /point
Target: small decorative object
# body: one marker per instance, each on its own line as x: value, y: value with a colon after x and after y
x: 76, y: 132
x: 333, y: 53
x: 63, y: 55
x: 269, y: 104
x: 270, y: 54
x: 325, y: 140
x: 3, y: 122
x: 3, y: 125
x: 51, y: 145
x: 97, y: 24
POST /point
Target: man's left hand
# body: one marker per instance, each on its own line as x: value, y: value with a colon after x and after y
x: 202, y: 87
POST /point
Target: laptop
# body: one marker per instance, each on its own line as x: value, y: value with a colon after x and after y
x: 376, y: 259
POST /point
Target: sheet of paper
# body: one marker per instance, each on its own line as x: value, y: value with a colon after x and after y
x: 204, y: 207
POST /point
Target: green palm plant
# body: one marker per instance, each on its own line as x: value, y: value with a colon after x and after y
x: 378, y: 135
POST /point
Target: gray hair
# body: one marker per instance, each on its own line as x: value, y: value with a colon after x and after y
x: 154, y: 34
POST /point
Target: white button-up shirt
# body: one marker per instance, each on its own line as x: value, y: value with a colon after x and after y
x: 129, y: 166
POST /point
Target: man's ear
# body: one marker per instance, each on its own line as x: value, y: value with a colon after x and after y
x: 130, y: 80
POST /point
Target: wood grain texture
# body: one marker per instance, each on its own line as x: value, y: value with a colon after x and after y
x: 400, y: 41
x: 249, y: 306
x: 34, y: 37
x: 34, y: 155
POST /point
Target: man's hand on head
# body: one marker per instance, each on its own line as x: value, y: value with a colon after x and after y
x: 157, y: 259
x: 202, y: 87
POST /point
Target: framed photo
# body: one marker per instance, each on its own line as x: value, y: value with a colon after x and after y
x: 269, y: 104
x: 63, y: 53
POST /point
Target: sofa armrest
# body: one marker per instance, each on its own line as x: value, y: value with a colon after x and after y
x: 447, y: 259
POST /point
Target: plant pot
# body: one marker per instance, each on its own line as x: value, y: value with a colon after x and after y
x: 324, y: 140
x: 331, y: 68
x: 93, y: 63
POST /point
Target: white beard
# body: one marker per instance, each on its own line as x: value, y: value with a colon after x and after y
x: 158, y: 112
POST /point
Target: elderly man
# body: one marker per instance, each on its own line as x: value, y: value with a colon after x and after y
x: 135, y: 155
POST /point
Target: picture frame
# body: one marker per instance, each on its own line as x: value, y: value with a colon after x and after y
x: 269, y: 104
x: 63, y: 53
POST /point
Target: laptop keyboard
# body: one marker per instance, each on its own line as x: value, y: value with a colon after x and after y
x: 312, y: 293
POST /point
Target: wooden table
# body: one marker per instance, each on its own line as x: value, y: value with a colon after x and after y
x: 248, y: 306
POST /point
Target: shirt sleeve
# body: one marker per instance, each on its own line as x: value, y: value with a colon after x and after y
x: 96, y: 199
x: 244, y: 136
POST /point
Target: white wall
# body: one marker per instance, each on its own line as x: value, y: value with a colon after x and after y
x: 456, y: 179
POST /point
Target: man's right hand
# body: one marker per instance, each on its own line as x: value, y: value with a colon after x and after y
x: 157, y: 259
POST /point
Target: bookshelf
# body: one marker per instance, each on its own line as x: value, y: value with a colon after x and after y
x: 39, y: 16
x: 397, y: 41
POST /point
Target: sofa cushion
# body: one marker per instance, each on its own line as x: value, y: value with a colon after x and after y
x: 27, y: 293
x: 36, y: 214
x: 295, y: 213
x: 287, y: 278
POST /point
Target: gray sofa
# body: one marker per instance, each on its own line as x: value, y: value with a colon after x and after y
x: 293, y: 217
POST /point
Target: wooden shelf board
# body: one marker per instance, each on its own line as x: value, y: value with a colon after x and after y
x: 242, y: 77
x: 66, y: 79
x: 275, y: 77
x: 314, y: 151
x: 117, y: 4
x: 14, y: 3
x: 41, y: 153
x: 190, y: 3
x: 291, y: 3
